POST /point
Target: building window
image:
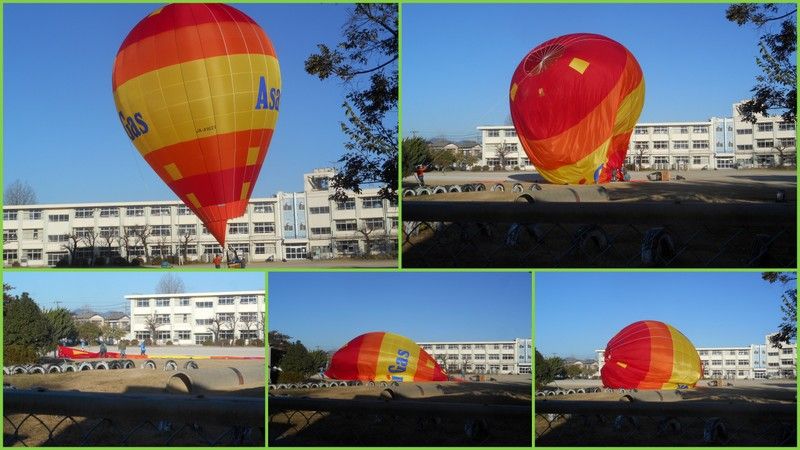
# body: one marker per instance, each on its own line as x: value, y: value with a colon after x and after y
x: 371, y: 202
x: 641, y: 145
x: 785, y: 126
x: 744, y: 147
x: 765, y: 143
x: 511, y: 133
x: 203, y: 304
x: 84, y: 213
x: 31, y: 233
x: 184, y: 210
x: 162, y: 302
x: 226, y: 300
x: 699, y: 129
x: 238, y: 228
x: 199, y: 338
x: 264, y: 227
x: 161, y: 230
x: 184, y: 302
x: 346, y: 205
x: 680, y: 144
x: 743, y: 362
x: 109, y: 212
x: 183, y: 335
x: 9, y: 235
x: 54, y: 258
x: 187, y: 230
x: 741, y: 131
x: 248, y: 300
x: 660, y: 145
x: 262, y: 207
x: 786, y: 142
x: 109, y: 232
x: 34, y: 254
x: 134, y: 211
x: 142, y: 303
x: 162, y: 318
x: 35, y: 214
x: 212, y: 249
x: 493, y: 133
x: 640, y: 130
x: 346, y: 225
x: 319, y: 210
x: 322, y: 231
x: 159, y: 210
x: 373, y: 224
x: 296, y: 252
x: 57, y: 238
x: 764, y: 126
x: 699, y: 144
x: 83, y: 232
x: 347, y: 247
x: 53, y: 217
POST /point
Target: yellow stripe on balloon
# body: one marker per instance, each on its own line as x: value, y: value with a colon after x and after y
x: 582, y: 169
x: 245, y: 190
x: 173, y: 171
x: 579, y: 65
x: 193, y: 199
x: 629, y: 109
x: 252, y: 155
x: 390, y: 346
x: 174, y: 99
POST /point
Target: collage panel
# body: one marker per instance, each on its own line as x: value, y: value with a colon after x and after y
x: 142, y: 359
x: 399, y: 359
x: 678, y: 359
x: 200, y: 135
x: 586, y: 136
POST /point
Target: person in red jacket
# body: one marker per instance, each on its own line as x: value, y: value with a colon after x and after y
x: 217, y: 261
x: 421, y: 174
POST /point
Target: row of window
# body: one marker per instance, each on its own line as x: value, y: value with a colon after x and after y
x: 199, y: 337
x: 505, y: 356
x: 224, y: 300
x: 506, y: 133
x: 761, y: 127
x: 645, y: 145
x: 719, y: 352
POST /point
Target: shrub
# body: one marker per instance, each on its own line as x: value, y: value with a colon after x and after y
x: 19, y: 354
x: 291, y: 377
x: 169, y: 342
x: 475, y: 168
x: 208, y: 342
x: 256, y: 343
x: 485, y: 168
x: 134, y: 342
x: 148, y: 342
x: 239, y: 342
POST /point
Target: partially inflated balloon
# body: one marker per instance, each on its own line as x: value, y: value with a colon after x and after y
x: 650, y: 355
x: 381, y: 356
x: 197, y: 89
x: 575, y: 100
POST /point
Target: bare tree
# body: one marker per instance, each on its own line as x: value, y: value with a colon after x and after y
x: 367, y: 232
x: 107, y: 241
x: 143, y: 234
x: 170, y: 284
x: 231, y: 321
x: 184, y: 241
x: 151, y: 323
x: 126, y: 241
x: 783, y: 155
x: 163, y: 243
x: 90, y: 237
x: 639, y: 153
x: 19, y: 193
x: 71, y: 246
x: 502, y: 150
x: 216, y: 326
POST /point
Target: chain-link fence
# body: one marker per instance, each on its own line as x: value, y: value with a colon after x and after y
x: 586, y: 423
x: 523, y: 234
x: 310, y: 421
x: 42, y: 418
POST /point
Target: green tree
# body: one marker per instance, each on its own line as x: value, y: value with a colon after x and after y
x: 278, y: 340
x: 776, y: 88
x: 319, y: 359
x: 369, y: 49
x: 415, y: 153
x: 573, y: 371
x: 61, y: 324
x: 787, y: 331
x: 26, y: 330
x: 89, y: 331
x: 114, y: 333
x: 443, y: 158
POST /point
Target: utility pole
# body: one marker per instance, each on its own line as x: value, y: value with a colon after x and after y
x: 57, y: 303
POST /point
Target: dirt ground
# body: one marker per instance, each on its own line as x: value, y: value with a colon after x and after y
x: 565, y: 430
x: 304, y: 428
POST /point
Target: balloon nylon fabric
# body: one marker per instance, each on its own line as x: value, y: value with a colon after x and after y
x: 650, y: 355
x: 380, y: 356
x: 197, y: 88
x: 574, y: 102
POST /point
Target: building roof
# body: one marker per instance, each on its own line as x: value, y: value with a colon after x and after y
x: 193, y: 294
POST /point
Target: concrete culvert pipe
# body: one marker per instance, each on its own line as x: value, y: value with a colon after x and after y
x: 6, y: 370
x: 570, y: 391
x: 439, y: 190
x: 149, y: 364
x: 69, y: 367
x: 384, y: 384
x: 272, y: 387
x: 128, y: 364
x: 19, y: 370
x: 170, y: 365
x: 370, y: 383
x: 314, y: 385
x: 216, y: 379
x: 559, y: 392
x: 517, y: 188
x: 114, y: 365
x: 304, y: 386
x: 101, y: 365
x: 423, y: 191
x: 323, y: 384
x: 467, y: 188
x: 36, y: 369
x: 409, y: 193
x: 191, y: 365
x: 293, y: 386
x: 85, y: 366
x: 580, y: 391
x: 498, y: 188
x: 54, y: 369
x: 343, y: 383
x: 454, y: 188
x: 540, y: 394
x: 479, y: 187
x: 551, y: 393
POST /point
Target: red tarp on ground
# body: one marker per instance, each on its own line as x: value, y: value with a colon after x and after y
x: 74, y: 353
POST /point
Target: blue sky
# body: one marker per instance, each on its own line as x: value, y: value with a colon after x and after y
x: 327, y: 310
x: 61, y: 131
x: 577, y: 313
x: 105, y: 291
x: 458, y: 59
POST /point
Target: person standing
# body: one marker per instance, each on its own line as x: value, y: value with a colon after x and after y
x: 103, y: 349
x: 217, y: 261
x: 421, y: 174
x: 122, y: 346
x: 142, y: 348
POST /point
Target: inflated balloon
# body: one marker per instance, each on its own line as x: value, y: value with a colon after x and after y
x: 197, y: 89
x: 650, y: 355
x: 575, y: 100
x: 381, y: 356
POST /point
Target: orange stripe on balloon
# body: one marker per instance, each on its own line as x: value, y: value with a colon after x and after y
x: 368, y: 356
x: 181, y: 46
x: 210, y: 154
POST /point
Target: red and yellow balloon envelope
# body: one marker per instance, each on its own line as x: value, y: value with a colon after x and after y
x: 575, y: 100
x: 197, y: 89
x: 381, y: 356
x: 650, y: 355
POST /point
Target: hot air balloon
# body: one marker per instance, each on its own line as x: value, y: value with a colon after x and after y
x: 197, y: 89
x: 650, y: 355
x: 381, y: 356
x: 575, y: 100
